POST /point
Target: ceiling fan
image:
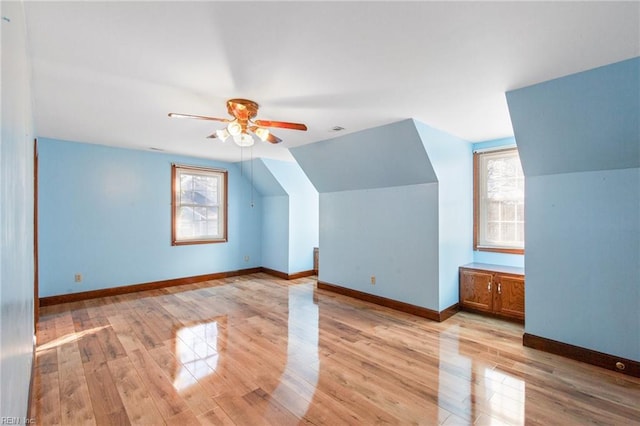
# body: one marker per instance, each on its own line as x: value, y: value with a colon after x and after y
x: 242, y: 124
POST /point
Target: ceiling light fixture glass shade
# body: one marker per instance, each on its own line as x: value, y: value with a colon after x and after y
x: 243, y: 140
x: 234, y: 128
x: 222, y: 134
x: 262, y: 133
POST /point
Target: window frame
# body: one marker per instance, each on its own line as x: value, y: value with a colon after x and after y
x: 476, y: 205
x: 175, y: 204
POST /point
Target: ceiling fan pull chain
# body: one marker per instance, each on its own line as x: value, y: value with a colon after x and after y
x: 241, y: 160
x: 251, y: 153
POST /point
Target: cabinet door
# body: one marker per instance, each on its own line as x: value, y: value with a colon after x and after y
x: 510, y: 298
x: 476, y: 290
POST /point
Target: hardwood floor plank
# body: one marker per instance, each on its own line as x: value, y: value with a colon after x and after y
x: 239, y: 410
x: 216, y: 416
x: 255, y: 350
x: 108, y: 339
x: 272, y: 412
x: 145, y: 334
x: 75, y: 402
x: 184, y: 418
x: 105, y: 399
x: 46, y: 361
x: 139, y: 405
x: 126, y: 336
x: 165, y: 396
x: 46, y: 401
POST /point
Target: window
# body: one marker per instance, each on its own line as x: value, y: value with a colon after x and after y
x: 498, y: 202
x: 199, y: 205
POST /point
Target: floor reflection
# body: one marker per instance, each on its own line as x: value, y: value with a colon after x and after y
x: 197, y: 352
x: 302, y: 350
x: 489, y: 396
x: 507, y: 400
x: 217, y: 350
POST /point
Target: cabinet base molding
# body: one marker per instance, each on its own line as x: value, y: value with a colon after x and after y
x: 599, y: 359
x: 390, y: 303
x: 492, y: 314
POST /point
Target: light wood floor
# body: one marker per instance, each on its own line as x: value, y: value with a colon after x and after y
x: 257, y: 350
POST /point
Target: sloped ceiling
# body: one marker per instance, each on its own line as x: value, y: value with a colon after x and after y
x: 583, y: 122
x: 109, y: 72
x: 381, y: 157
x: 262, y: 178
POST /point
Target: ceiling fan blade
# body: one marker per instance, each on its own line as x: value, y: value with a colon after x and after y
x: 273, y: 139
x: 198, y: 117
x: 280, y: 124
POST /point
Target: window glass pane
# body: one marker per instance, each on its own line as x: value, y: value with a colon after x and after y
x: 185, y: 222
x: 199, y: 205
x: 493, y: 231
x: 501, y: 198
x: 211, y: 227
x: 493, y: 210
x: 508, y: 210
x: 200, y: 213
x: 508, y: 233
x: 520, y: 231
x: 212, y: 213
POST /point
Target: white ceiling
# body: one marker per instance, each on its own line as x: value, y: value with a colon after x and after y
x: 109, y: 72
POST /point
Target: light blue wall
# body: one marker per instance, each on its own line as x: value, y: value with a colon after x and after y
x: 106, y: 213
x: 275, y: 216
x: 504, y: 259
x: 451, y: 159
x: 390, y: 233
x: 304, y: 230
x: 303, y: 213
x: 495, y: 143
x: 579, y: 142
x: 290, y: 216
x: 385, y: 213
x: 583, y: 266
x: 275, y: 233
x: 16, y: 217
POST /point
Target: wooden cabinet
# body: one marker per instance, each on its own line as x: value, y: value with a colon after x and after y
x: 492, y: 289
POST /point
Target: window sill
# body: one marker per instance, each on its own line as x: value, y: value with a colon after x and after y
x: 192, y: 242
x: 500, y: 250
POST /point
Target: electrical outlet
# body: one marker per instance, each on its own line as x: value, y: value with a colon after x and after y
x: 78, y: 278
x: 373, y: 280
x: 246, y: 258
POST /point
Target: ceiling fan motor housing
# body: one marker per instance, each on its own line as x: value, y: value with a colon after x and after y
x: 242, y: 109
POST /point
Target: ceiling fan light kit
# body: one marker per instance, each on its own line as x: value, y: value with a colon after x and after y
x: 241, y: 127
x: 221, y: 134
x: 234, y: 128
